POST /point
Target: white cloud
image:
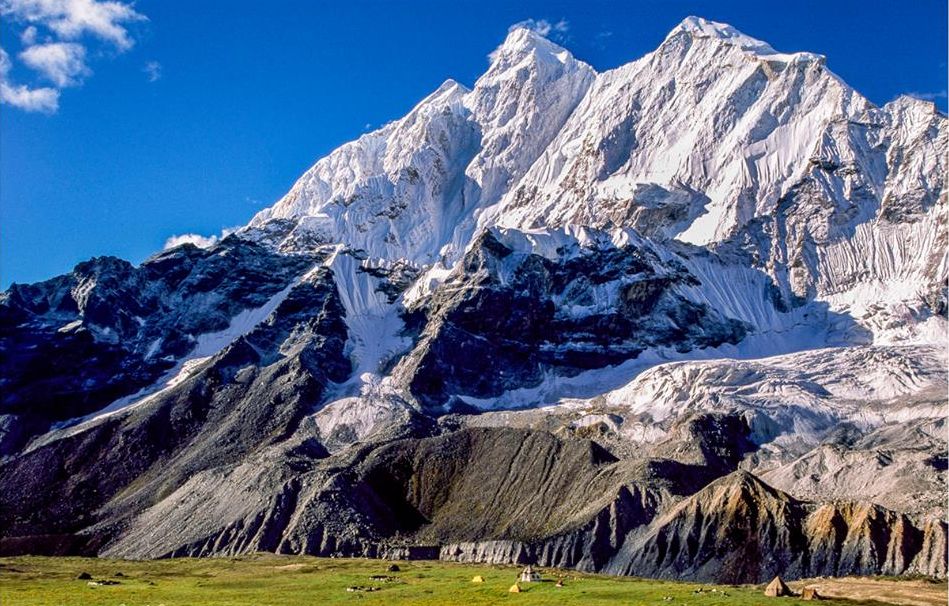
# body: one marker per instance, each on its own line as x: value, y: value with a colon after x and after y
x: 152, y: 71
x: 196, y: 239
x: 45, y: 100
x: 544, y: 27
x: 62, y: 63
x: 71, y: 19
x: 929, y: 96
x: 4, y: 64
x: 60, y: 57
x: 28, y: 37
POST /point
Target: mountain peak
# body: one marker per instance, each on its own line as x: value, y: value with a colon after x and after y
x: 703, y: 28
x: 520, y: 36
x: 523, y: 40
x: 699, y: 28
x: 449, y: 88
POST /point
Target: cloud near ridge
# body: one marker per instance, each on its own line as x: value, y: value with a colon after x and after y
x: 929, y: 96
x: 196, y: 239
x: 544, y: 27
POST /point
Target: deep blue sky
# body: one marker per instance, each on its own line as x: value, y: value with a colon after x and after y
x: 252, y: 93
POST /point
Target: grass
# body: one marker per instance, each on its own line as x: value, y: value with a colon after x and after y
x: 263, y: 580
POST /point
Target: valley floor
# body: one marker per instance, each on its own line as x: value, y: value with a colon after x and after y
x: 285, y: 580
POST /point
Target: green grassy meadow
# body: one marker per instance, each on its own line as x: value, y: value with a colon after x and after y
x: 263, y: 580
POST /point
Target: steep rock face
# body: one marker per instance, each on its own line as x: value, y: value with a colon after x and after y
x: 429, y: 489
x: 74, y: 344
x: 726, y: 123
x: 416, y: 486
x: 716, y: 137
x: 901, y: 466
x: 701, y: 113
x: 738, y: 530
x: 734, y: 530
x: 832, y: 235
x: 251, y: 394
x: 522, y: 315
x: 394, y: 192
x: 446, y: 480
x: 644, y: 520
x: 521, y: 102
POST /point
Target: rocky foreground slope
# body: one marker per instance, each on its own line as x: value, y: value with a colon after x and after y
x: 685, y: 318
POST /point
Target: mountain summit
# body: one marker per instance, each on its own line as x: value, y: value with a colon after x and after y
x: 699, y: 295
x: 698, y: 27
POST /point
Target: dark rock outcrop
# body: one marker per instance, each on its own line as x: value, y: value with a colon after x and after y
x: 506, y: 317
x: 249, y: 396
x: 72, y: 345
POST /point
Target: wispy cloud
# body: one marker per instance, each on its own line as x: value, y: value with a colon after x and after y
x: 28, y: 37
x: 942, y: 94
x: 44, y: 100
x: 601, y: 39
x: 71, y: 19
x: 556, y: 31
x: 55, y: 36
x: 152, y: 71
x: 62, y: 63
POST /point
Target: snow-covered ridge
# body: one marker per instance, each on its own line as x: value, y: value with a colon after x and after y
x: 697, y: 26
x: 411, y: 188
x: 798, y: 397
x: 698, y: 140
x: 800, y: 209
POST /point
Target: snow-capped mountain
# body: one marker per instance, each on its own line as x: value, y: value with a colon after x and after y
x: 712, y: 269
x: 713, y: 139
x: 414, y: 187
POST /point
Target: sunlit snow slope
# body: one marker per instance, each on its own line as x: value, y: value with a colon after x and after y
x: 714, y: 139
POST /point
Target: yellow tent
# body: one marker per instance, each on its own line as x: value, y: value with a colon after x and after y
x: 810, y: 593
x: 515, y: 588
x: 478, y: 579
x: 776, y: 588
